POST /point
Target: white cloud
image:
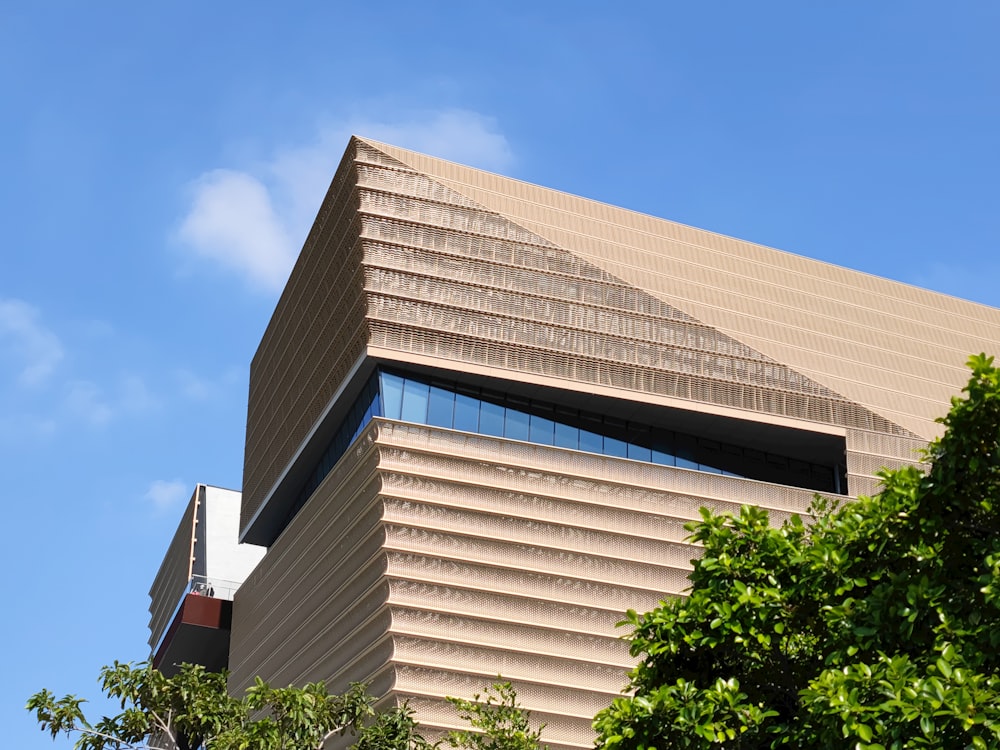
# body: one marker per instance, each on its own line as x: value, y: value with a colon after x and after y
x: 167, y: 494
x: 253, y: 222
x: 37, y: 349
x: 232, y: 221
x: 454, y: 134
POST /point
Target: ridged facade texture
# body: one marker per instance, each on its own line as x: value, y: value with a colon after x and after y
x: 894, y: 348
x: 430, y: 560
x: 171, y: 581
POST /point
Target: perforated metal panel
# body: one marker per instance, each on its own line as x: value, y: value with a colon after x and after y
x: 508, y: 464
x: 321, y: 584
x: 418, y: 518
x: 896, y: 349
x: 503, y: 634
x: 172, y: 578
x: 467, y: 600
x: 462, y: 304
x: 429, y: 560
x: 575, y: 674
x: 315, y: 335
x: 567, y: 723
x: 448, y: 277
x: 555, y: 513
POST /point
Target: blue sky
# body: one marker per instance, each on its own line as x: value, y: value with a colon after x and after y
x: 163, y: 162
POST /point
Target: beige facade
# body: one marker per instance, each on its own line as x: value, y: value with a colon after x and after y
x: 426, y: 558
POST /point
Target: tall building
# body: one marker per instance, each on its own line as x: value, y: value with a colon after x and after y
x: 191, y: 598
x: 483, y: 411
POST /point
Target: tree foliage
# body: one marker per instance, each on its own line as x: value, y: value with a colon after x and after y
x: 496, y: 720
x: 193, y: 709
x: 875, y: 628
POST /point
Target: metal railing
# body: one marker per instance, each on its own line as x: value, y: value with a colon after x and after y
x: 216, y: 588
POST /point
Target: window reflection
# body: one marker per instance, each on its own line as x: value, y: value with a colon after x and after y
x: 566, y: 436
x: 440, y: 407
x: 639, y: 452
x: 392, y: 395
x: 541, y: 430
x: 415, y: 397
x: 515, y: 425
x: 491, y: 419
x: 448, y: 405
x: 615, y: 447
x: 591, y: 442
x: 467, y: 410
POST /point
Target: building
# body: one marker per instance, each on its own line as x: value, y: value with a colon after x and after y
x: 483, y: 411
x: 191, y: 599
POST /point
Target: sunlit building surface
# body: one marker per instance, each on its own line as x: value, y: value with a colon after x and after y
x: 191, y: 598
x: 483, y: 411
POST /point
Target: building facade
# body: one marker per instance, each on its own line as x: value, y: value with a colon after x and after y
x: 483, y: 411
x: 191, y: 598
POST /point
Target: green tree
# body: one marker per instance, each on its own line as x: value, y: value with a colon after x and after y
x: 193, y: 709
x: 497, y: 722
x: 877, y: 627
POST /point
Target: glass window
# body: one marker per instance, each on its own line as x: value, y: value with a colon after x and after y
x: 415, y: 395
x: 615, y: 447
x: 639, y: 438
x: 591, y: 442
x: 467, y: 412
x: 392, y: 395
x: 616, y: 427
x: 372, y: 399
x: 541, y: 430
x: 798, y: 467
x: 567, y: 436
x: 491, y: 419
x: 663, y: 458
x: 440, y: 407
x: 640, y: 452
x: 686, y: 451
x: 515, y: 425
x: 684, y: 462
x: 357, y: 417
x: 663, y: 448
x: 447, y: 404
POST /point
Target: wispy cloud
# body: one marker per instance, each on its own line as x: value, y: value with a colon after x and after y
x: 19, y: 427
x: 199, y: 387
x: 454, y: 134
x: 166, y: 494
x: 253, y: 222
x: 97, y: 405
x: 48, y: 383
x: 31, y: 348
x: 87, y: 401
